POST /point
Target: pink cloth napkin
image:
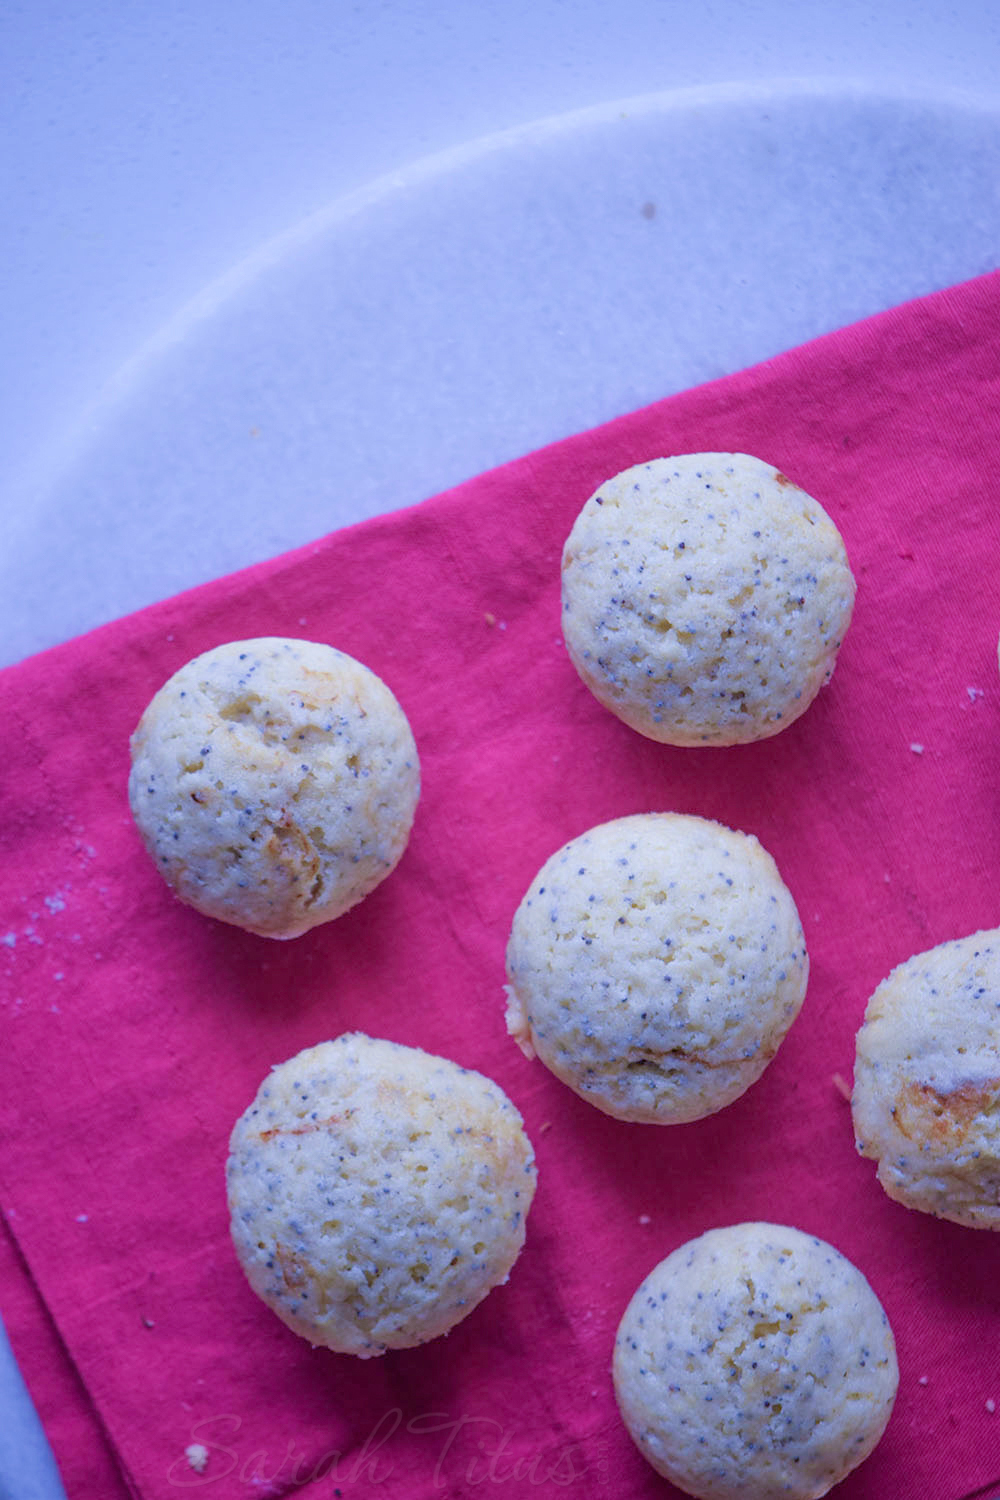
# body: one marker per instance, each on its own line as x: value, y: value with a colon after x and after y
x: 135, y: 1031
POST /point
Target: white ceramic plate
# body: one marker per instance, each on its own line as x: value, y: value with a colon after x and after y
x: 484, y: 302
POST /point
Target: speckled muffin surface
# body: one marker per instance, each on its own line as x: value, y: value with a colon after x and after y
x: 705, y: 598
x: 655, y: 965
x: 274, y: 782
x: 926, y: 1101
x: 755, y: 1362
x: 377, y: 1193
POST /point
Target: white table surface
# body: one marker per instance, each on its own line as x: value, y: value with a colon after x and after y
x: 180, y: 181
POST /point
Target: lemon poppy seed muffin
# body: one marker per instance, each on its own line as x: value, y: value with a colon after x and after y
x: 705, y: 598
x: 926, y: 1099
x: 377, y: 1193
x: 655, y: 964
x: 755, y: 1362
x: 275, y: 783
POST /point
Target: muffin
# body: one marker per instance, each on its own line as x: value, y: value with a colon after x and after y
x: 377, y: 1193
x: 755, y: 1362
x: 275, y: 783
x: 926, y: 1100
x: 655, y: 964
x: 705, y: 598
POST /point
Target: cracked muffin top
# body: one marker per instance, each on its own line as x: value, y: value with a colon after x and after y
x: 655, y: 964
x: 705, y: 598
x: 755, y: 1362
x: 274, y: 782
x: 377, y: 1193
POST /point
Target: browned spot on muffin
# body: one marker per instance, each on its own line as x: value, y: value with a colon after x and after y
x: 293, y: 1270
x: 944, y: 1115
x: 306, y: 1128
